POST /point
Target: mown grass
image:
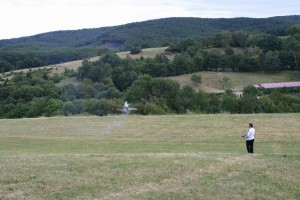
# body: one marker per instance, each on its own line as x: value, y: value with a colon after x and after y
x: 150, y: 157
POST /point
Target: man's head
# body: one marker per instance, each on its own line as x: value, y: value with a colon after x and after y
x: 250, y: 125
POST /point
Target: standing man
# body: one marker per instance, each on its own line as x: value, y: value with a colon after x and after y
x: 250, y: 138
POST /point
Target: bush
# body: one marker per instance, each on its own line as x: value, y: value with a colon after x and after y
x: 68, y: 108
x: 100, y: 107
x: 135, y: 50
x: 150, y: 108
x: 53, y: 107
x: 196, y: 79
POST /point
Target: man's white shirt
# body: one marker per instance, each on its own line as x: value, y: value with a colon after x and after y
x: 250, y: 134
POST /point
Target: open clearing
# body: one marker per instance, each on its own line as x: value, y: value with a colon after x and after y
x: 150, y: 157
x: 237, y: 80
x: 74, y: 65
x: 147, y: 53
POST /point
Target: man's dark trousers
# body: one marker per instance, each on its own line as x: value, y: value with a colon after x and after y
x: 249, y: 145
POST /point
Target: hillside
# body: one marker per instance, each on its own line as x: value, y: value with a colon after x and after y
x: 63, y: 46
x: 152, y: 33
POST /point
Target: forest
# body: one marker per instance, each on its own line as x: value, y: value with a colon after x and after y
x: 63, y: 46
x: 100, y: 87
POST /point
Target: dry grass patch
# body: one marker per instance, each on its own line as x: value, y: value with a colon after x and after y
x: 237, y: 81
x: 54, y: 69
x: 147, y: 53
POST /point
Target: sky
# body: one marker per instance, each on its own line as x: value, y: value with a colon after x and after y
x: 20, y: 18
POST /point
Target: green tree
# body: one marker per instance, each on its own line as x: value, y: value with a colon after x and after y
x: 248, y: 104
x: 294, y: 30
x: 251, y: 90
x: 272, y: 61
x: 269, y: 43
x: 146, y: 89
x: 68, y: 108
x: 229, y: 51
x: 99, y: 72
x: 214, y: 105
x: 123, y: 78
x: 267, y: 106
x: 37, y: 107
x: 234, y: 61
x: 18, y: 111
x: 5, y: 66
x: 212, y: 60
x: 222, y: 39
x: 229, y: 102
x: 196, y: 79
x: 111, y: 58
x: 53, y: 107
x: 135, y: 50
x: 202, y: 100
x: 186, y: 99
x: 84, y: 69
x: 184, y: 45
x: 100, y: 107
x: 183, y: 63
x: 248, y: 65
x: 287, y: 59
x: 199, y: 61
x: 157, y: 67
x: 239, y: 38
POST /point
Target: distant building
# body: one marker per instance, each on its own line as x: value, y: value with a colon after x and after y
x: 278, y: 85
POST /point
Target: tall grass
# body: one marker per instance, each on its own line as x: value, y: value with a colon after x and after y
x: 150, y: 157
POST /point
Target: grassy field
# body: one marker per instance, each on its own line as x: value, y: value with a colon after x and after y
x: 150, y: 157
x: 55, y: 69
x: 237, y: 80
x: 147, y: 53
x: 74, y: 65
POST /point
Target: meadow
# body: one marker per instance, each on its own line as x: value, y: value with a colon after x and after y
x: 147, y: 53
x: 150, y: 157
x: 236, y: 80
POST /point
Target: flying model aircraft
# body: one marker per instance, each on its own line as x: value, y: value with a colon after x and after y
x: 126, y: 109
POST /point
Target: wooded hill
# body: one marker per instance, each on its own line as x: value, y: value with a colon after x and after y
x: 152, y: 33
x: 62, y: 46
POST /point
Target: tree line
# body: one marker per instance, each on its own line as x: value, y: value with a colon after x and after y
x: 100, y: 87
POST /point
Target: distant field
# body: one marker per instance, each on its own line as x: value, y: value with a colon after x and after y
x: 55, y: 69
x: 237, y: 80
x: 59, y: 68
x: 150, y: 157
x: 152, y: 52
x: 147, y: 53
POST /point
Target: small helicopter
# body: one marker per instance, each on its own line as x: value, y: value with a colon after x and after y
x: 126, y: 109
